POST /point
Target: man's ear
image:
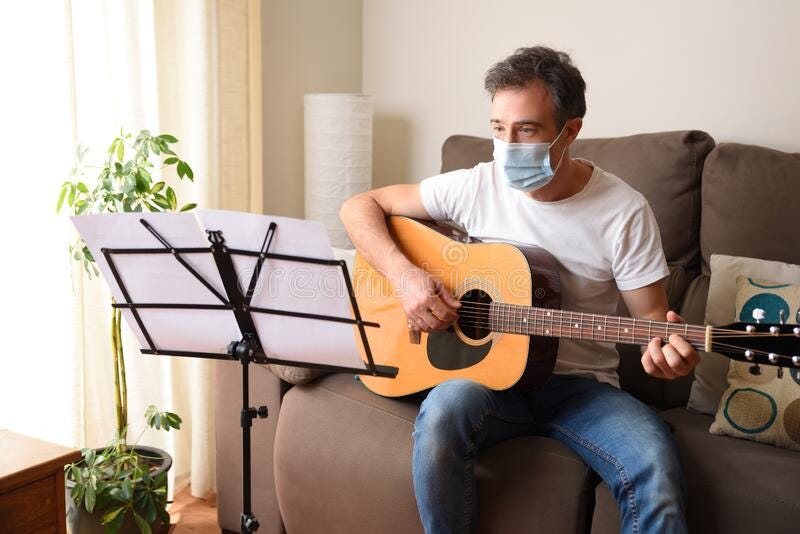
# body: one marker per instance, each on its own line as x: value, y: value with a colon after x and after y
x: 573, y: 127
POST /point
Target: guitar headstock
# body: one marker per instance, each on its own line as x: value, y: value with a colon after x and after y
x: 760, y: 344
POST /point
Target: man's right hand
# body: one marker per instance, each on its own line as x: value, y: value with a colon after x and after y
x: 427, y: 303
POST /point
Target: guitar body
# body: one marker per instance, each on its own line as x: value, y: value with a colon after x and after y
x: 474, y: 272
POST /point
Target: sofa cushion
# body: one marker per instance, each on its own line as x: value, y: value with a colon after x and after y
x: 750, y: 198
x: 343, y: 464
x: 735, y: 485
x: 664, y: 167
x: 763, y: 407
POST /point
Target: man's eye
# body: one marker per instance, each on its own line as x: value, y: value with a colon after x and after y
x: 526, y: 131
x: 497, y: 129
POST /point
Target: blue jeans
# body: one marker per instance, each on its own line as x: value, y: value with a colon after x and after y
x: 620, y: 438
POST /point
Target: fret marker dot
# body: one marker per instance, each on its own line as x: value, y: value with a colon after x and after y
x: 548, y: 314
x: 626, y: 330
x: 599, y: 327
x: 576, y: 325
x: 547, y: 331
x: 524, y: 320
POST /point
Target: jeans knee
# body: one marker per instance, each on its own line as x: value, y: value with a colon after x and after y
x: 657, y: 472
x: 450, y: 414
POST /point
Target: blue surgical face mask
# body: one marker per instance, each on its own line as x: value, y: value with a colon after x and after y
x: 526, y: 166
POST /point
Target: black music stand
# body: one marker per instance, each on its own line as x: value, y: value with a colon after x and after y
x: 249, y: 348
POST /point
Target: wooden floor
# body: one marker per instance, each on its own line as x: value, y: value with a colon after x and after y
x: 191, y: 515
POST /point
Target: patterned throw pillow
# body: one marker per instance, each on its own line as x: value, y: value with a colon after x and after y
x: 762, y: 407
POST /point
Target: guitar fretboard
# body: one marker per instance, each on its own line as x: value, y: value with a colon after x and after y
x: 518, y: 319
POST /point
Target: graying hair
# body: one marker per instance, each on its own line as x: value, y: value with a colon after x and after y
x: 551, y: 67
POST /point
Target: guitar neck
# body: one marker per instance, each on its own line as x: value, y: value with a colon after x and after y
x: 518, y: 319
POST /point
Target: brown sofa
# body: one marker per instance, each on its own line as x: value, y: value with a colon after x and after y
x: 340, y: 457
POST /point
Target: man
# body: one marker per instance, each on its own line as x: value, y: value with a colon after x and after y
x: 606, y: 241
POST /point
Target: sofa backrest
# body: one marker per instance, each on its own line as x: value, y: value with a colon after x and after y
x: 750, y: 199
x: 666, y: 168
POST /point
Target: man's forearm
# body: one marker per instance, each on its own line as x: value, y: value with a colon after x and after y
x: 365, y: 221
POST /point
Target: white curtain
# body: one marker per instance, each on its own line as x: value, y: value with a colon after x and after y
x: 87, y: 68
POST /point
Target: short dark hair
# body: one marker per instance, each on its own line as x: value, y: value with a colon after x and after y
x: 551, y: 67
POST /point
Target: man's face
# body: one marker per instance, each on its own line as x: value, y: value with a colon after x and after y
x: 524, y: 115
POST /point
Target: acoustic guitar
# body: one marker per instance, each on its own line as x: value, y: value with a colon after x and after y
x: 510, y: 319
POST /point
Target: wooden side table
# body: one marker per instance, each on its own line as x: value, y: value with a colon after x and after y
x: 32, y: 485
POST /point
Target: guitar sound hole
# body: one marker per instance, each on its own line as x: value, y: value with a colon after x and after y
x: 473, y: 316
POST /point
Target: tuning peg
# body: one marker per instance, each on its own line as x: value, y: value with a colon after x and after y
x: 773, y: 358
x: 749, y: 355
x: 780, y: 372
x: 796, y: 360
x: 750, y: 329
x: 782, y: 317
x: 774, y: 330
x: 758, y: 314
x: 796, y: 331
x: 755, y: 369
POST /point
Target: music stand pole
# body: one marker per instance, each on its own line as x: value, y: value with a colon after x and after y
x: 244, y: 351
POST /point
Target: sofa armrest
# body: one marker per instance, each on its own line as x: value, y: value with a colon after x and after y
x: 265, y: 389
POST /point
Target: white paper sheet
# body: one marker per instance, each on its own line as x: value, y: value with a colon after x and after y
x: 282, y: 285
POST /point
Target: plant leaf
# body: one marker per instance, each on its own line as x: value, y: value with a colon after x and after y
x: 61, y: 197
x: 161, y: 201
x: 89, y: 498
x: 168, y: 138
x: 157, y: 187
x: 127, y: 489
x: 173, y: 201
x: 189, y: 206
x: 151, y: 411
x: 174, y: 420
x: 149, y: 509
x: 189, y: 172
x: 78, y: 490
x: 142, y: 181
x: 112, y: 515
x: 144, y: 527
x: 116, y: 524
x: 171, y: 160
x: 120, y: 150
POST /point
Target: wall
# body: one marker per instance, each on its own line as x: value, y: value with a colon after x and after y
x: 729, y: 68
x: 308, y: 46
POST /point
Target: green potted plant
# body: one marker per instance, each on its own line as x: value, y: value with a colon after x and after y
x: 123, y: 487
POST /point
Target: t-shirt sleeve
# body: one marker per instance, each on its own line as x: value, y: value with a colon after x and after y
x: 450, y: 196
x: 639, y: 258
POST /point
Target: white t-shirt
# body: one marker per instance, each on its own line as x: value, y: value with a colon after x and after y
x: 604, y: 238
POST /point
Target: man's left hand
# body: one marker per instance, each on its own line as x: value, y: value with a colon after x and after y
x: 672, y: 360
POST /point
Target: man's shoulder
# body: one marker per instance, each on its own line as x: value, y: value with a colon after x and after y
x: 620, y: 190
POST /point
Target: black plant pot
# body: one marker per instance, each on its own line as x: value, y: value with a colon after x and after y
x: 82, y: 522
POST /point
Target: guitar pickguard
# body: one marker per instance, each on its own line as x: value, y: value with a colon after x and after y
x: 448, y: 352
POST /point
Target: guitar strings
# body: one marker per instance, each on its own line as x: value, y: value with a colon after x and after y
x: 604, y: 324
x: 479, y: 320
x: 632, y: 341
x: 611, y: 334
x: 511, y: 313
x: 593, y: 320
